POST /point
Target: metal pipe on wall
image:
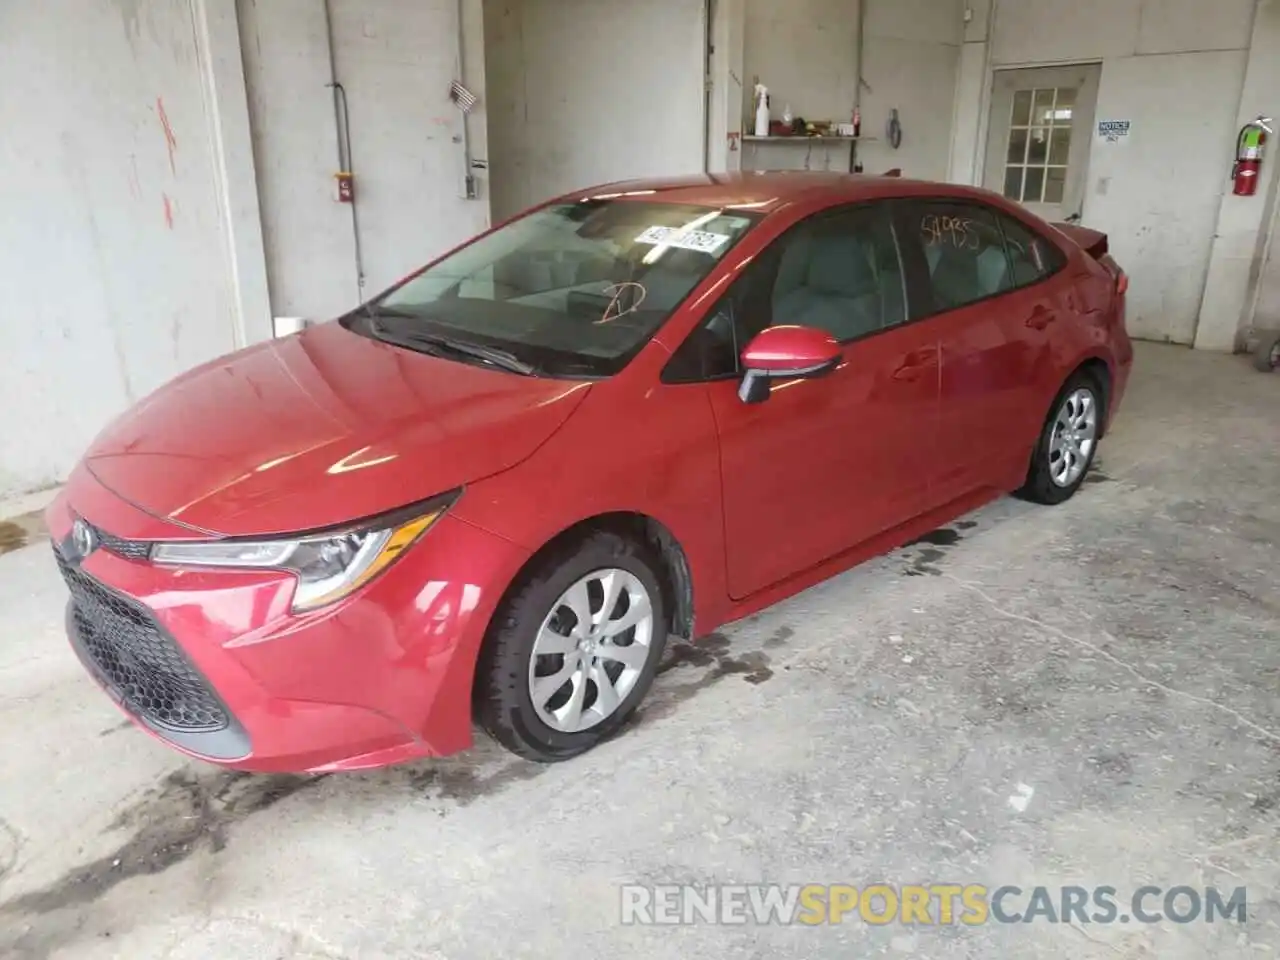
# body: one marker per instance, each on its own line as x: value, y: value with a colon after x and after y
x: 858, y: 81
x: 468, y: 178
x: 342, y: 131
x: 708, y: 52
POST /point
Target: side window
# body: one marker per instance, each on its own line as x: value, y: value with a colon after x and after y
x: 711, y: 351
x: 837, y: 271
x: 1032, y: 258
x: 963, y: 251
x: 840, y: 272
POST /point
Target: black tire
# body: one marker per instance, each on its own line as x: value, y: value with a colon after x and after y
x: 503, y: 702
x: 1266, y: 356
x: 1040, y: 486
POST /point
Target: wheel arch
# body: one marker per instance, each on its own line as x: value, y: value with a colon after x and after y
x: 675, y: 574
x: 1100, y: 370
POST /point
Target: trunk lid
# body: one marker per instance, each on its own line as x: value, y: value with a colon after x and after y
x: 1093, y: 242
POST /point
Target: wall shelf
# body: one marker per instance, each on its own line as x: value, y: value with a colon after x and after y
x: 823, y: 142
x: 802, y: 138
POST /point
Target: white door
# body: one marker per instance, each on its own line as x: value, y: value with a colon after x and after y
x: 1039, y: 137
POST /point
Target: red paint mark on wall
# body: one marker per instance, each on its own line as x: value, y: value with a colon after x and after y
x: 169, y: 139
x: 168, y: 211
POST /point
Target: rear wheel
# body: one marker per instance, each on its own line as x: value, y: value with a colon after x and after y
x: 574, y: 650
x: 1067, y: 443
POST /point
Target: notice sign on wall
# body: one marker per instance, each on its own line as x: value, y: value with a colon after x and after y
x: 1114, y: 131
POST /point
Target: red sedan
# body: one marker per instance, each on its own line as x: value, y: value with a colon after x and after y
x: 643, y: 410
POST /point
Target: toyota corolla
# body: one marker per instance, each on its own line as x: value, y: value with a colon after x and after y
x: 493, y: 492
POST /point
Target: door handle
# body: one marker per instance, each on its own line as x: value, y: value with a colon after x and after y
x: 1040, y: 317
x: 914, y: 365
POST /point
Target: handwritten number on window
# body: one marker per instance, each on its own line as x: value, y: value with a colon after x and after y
x: 957, y: 232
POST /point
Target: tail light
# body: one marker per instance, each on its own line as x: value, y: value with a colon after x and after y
x: 1122, y: 283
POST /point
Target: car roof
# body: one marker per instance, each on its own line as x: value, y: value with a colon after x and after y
x: 769, y: 191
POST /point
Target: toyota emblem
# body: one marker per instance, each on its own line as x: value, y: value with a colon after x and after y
x: 83, y: 539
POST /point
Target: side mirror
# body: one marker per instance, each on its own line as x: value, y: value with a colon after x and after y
x: 785, y: 353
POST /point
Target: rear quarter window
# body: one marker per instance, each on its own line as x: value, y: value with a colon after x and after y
x: 1032, y: 258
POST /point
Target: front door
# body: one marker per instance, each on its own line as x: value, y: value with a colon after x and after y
x: 1038, y: 144
x: 827, y: 463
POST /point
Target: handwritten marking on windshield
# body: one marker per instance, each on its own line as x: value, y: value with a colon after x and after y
x: 618, y: 291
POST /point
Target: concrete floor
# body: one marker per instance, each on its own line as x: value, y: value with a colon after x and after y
x: 1120, y: 655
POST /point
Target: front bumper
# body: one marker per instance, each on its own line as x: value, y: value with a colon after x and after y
x: 215, y: 665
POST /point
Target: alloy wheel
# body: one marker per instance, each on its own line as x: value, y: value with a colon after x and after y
x: 1075, y: 433
x: 591, y: 650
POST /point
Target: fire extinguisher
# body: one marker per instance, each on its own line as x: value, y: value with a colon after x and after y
x: 1248, y: 165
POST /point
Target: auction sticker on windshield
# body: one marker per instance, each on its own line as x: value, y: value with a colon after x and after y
x: 700, y: 240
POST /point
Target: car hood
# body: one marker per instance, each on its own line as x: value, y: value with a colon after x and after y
x: 319, y: 429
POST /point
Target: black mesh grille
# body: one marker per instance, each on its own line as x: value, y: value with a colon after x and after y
x: 129, y: 549
x: 141, y: 662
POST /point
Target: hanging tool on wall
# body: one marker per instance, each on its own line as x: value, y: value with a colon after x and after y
x: 893, y: 129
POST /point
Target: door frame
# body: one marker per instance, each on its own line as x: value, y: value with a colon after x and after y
x: 988, y: 98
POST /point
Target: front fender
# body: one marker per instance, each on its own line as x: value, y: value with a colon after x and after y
x: 655, y: 455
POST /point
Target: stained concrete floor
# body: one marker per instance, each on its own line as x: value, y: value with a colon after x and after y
x: 1119, y: 656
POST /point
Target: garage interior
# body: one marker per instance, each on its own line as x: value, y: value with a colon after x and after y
x: 172, y: 194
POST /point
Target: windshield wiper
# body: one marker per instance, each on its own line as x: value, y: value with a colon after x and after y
x: 442, y: 345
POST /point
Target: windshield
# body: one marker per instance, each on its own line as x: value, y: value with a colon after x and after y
x: 573, y: 289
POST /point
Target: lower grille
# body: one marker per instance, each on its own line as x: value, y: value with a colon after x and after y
x: 137, y: 659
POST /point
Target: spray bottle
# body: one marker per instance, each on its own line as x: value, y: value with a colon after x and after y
x: 762, y: 110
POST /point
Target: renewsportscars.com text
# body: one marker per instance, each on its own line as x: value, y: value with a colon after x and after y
x: 926, y: 904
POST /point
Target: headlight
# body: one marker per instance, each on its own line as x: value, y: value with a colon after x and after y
x: 328, y: 566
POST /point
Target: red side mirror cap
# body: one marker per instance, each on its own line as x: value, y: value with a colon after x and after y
x: 784, y: 353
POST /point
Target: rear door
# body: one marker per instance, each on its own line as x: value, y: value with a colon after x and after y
x: 993, y: 328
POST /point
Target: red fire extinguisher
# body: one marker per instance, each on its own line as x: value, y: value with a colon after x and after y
x: 1248, y: 165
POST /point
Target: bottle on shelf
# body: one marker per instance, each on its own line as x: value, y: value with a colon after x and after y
x: 762, y: 110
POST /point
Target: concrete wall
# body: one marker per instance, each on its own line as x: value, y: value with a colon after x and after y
x: 971, y: 95
x: 395, y: 61
x: 585, y: 91
x: 168, y: 187
x: 1237, y: 278
x: 726, y: 119
x: 912, y: 53
x: 806, y: 53
x: 1266, y: 308
x: 1175, y: 69
x: 117, y: 271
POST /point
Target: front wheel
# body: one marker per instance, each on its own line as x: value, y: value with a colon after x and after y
x: 574, y: 650
x: 1067, y: 443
